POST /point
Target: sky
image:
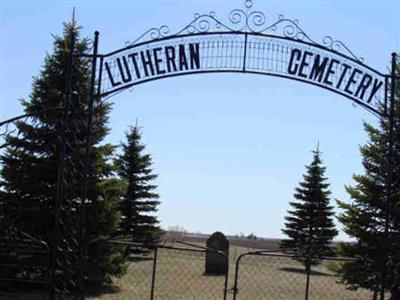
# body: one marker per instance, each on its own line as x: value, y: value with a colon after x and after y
x: 229, y: 148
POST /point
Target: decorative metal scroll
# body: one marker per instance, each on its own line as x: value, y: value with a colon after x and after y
x: 246, y: 45
x: 246, y: 20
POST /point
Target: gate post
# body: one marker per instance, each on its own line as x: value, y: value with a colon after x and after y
x: 390, y: 171
x: 62, y: 136
x: 226, y: 277
x: 82, y: 220
x: 88, y: 134
x: 308, y: 270
x: 235, y: 286
x: 153, y: 278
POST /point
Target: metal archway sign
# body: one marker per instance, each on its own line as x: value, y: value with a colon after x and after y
x: 244, y: 44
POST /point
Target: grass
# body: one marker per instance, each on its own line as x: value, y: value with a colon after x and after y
x: 180, y: 275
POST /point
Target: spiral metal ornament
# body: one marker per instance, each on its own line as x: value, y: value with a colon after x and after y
x: 339, y: 46
x: 246, y: 20
x: 255, y: 20
x: 151, y: 34
x: 237, y: 17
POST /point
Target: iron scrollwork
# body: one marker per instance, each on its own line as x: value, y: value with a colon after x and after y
x: 246, y: 20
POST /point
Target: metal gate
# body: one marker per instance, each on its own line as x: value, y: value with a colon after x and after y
x: 170, y: 273
x: 278, y: 276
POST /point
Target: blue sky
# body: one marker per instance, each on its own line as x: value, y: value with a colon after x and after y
x: 229, y: 148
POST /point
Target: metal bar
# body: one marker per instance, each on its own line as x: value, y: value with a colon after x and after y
x: 86, y: 55
x: 226, y: 277
x: 100, y: 77
x: 201, y: 250
x: 386, y: 95
x: 245, y: 52
x: 235, y: 285
x: 185, y: 249
x: 390, y: 171
x: 47, y: 275
x: 38, y: 112
x: 201, y: 247
x: 61, y: 165
x: 124, y: 243
x: 88, y: 132
x: 308, y: 270
x: 87, y: 157
x: 153, y: 277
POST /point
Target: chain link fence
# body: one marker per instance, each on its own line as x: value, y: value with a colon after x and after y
x: 167, y: 273
x: 280, y: 277
x: 180, y: 274
x: 24, y: 272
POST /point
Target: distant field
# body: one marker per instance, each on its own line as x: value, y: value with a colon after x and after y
x: 259, y: 244
x: 180, y: 276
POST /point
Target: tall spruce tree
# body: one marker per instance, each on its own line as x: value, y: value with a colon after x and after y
x: 377, y: 255
x: 29, y: 163
x: 140, y: 201
x: 309, y: 224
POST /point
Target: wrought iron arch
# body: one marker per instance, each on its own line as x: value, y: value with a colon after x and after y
x: 245, y: 43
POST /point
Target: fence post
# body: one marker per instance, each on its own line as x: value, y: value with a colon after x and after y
x: 59, y: 197
x: 308, y: 270
x: 235, y: 286
x: 390, y: 174
x: 226, y: 277
x: 153, y: 278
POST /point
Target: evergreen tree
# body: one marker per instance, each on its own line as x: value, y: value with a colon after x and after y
x: 364, y: 219
x: 140, y: 201
x: 29, y: 163
x: 309, y: 225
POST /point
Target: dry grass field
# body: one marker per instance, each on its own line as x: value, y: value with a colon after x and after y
x: 180, y: 275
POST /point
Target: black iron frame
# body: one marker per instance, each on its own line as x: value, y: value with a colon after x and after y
x: 279, y: 253
x: 200, y: 27
x: 182, y: 246
x: 198, y: 250
x: 370, y: 108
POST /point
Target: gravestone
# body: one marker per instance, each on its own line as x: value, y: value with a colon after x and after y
x: 216, y: 263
